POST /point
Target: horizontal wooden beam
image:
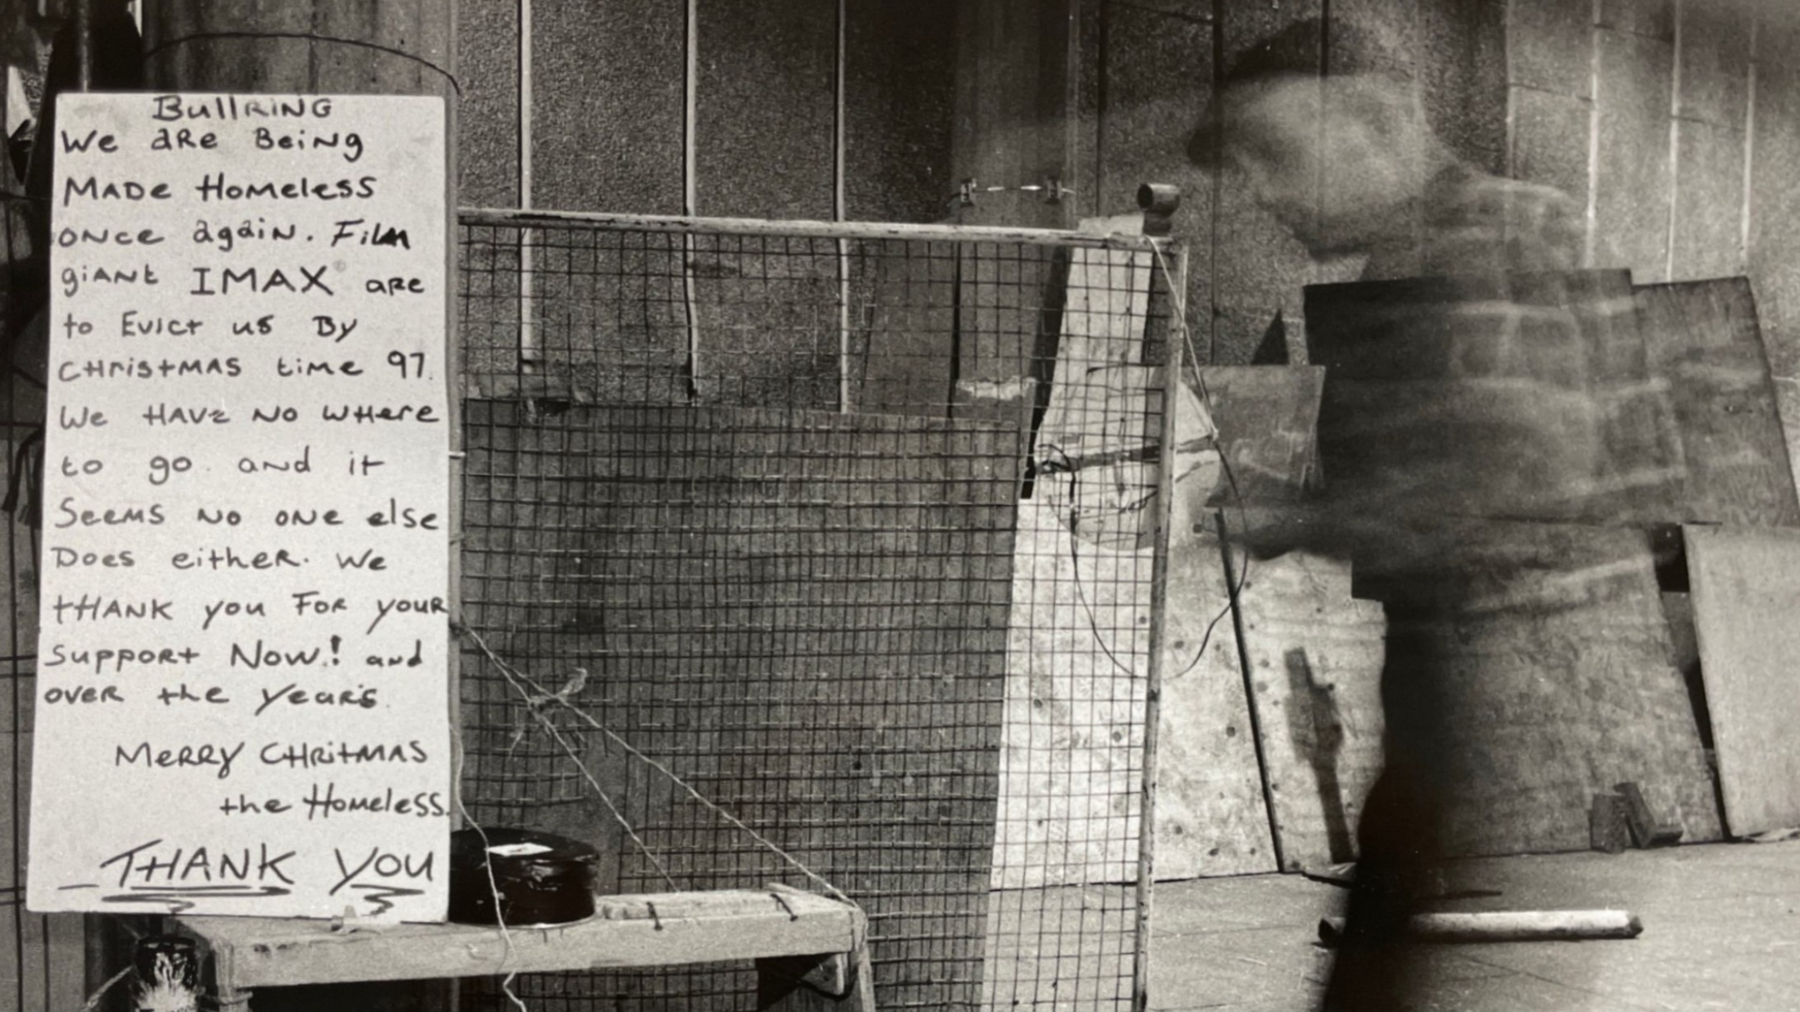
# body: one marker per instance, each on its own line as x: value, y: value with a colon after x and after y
x: 684, y: 225
x: 668, y: 929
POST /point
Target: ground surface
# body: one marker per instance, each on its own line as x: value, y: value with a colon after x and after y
x: 1721, y: 931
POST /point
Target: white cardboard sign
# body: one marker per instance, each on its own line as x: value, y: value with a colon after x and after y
x: 242, y: 704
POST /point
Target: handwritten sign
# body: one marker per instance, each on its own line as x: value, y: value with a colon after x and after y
x: 242, y: 704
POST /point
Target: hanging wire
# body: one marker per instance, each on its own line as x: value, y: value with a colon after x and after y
x: 1178, y: 318
x: 521, y: 682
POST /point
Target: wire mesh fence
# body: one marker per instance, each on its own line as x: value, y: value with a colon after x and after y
x: 854, y: 532
x: 41, y: 955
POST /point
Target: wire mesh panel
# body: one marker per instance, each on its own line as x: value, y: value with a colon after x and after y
x: 40, y: 954
x: 850, y: 536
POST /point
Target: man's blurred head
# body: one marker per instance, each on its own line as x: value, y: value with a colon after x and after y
x: 1327, y: 134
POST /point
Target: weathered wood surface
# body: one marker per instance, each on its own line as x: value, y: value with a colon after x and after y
x: 803, y: 614
x: 1210, y: 816
x: 1775, y: 200
x: 1079, y: 632
x: 1268, y: 419
x: 659, y: 929
x: 1746, y: 596
x: 1531, y: 666
x: 1704, y: 339
x: 1096, y: 445
x: 1315, y: 659
x: 1492, y: 396
x: 1072, y: 766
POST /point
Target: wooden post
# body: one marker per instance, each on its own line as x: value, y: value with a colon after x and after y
x: 1159, y: 607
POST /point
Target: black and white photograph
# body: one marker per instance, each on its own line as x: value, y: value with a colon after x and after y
x: 855, y: 505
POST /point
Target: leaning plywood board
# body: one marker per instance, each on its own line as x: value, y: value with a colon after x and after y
x: 1315, y: 658
x: 1746, y: 593
x: 1268, y: 418
x: 1072, y: 765
x: 1703, y: 339
x: 1210, y: 817
x: 1079, y: 634
x: 1523, y: 395
x: 1530, y: 666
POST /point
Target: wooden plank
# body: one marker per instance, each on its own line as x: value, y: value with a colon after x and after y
x: 1704, y: 339
x: 1746, y: 592
x: 1095, y: 446
x: 1268, y: 418
x: 877, y: 230
x: 1523, y: 395
x: 1074, y: 724
x: 1210, y: 816
x: 1774, y: 200
x: 1078, y: 635
x: 1315, y: 660
x: 1530, y: 667
x: 662, y: 929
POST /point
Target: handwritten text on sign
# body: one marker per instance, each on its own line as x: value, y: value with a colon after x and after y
x: 241, y: 695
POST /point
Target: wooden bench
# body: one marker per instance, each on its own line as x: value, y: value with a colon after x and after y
x: 810, y: 951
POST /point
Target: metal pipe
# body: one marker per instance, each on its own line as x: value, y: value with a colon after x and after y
x: 690, y: 187
x: 529, y: 352
x: 84, y: 46
x: 1234, y: 583
x: 839, y: 211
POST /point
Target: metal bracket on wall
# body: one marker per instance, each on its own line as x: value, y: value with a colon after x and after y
x: 1050, y: 191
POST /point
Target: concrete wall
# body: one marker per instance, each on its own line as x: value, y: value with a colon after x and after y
x: 1678, y: 121
x: 1674, y: 122
x: 609, y: 94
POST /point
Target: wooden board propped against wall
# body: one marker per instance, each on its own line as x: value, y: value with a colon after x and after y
x: 1533, y: 664
x: 1315, y: 660
x: 1268, y: 418
x: 1704, y: 339
x: 1746, y: 594
x: 1521, y: 395
x: 1079, y: 632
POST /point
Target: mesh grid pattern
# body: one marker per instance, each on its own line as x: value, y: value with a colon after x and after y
x: 849, y: 533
